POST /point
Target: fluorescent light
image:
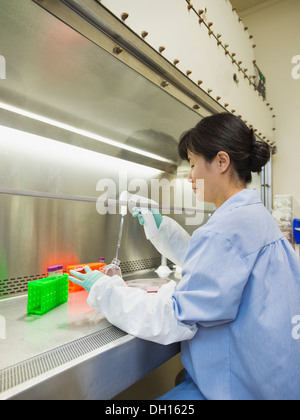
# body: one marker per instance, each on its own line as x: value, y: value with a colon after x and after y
x: 81, y: 132
x: 47, y: 150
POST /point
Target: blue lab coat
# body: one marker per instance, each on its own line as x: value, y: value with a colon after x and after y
x: 241, y: 285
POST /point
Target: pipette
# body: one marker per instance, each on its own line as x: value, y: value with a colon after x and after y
x: 120, y: 237
x: 150, y: 226
x: 123, y: 197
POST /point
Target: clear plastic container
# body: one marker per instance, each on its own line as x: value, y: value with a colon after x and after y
x: 148, y: 285
x: 60, y: 270
x: 113, y: 269
x: 55, y: 271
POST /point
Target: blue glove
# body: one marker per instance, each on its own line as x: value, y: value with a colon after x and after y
x: 87, y: 280
x: 156, y: 214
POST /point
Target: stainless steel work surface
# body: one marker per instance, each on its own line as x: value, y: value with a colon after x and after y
x: 71, y: 340
x: 27, y: 335
x: 30, y: 335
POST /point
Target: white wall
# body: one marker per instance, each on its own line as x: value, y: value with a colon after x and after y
x: 171, y: 24
x: 276, y: 30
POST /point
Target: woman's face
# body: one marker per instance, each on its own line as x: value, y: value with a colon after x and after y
x: 213, y: 182
x: 203, y: 177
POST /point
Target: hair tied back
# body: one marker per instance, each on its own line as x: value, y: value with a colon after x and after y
x: 260, y: 155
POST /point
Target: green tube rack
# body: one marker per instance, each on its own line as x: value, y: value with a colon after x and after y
x: 47, y: 293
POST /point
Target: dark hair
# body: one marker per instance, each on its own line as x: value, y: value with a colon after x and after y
x: 228, y: 133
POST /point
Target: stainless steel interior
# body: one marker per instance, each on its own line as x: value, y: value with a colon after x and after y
x: 48, y: 180
x: 56, y: 72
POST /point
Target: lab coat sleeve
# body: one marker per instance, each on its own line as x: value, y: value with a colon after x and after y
x: 149, y: 316
x: 213, y: 281
x: 172, y: 241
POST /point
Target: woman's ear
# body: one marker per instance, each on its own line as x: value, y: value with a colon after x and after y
x: 223, y: 162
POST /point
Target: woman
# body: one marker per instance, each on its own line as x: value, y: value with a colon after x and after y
x: 233, y: 310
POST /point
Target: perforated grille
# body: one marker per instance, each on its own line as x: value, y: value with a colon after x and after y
x: 131, y: 266
x: 31, y: 368
x: 19, y: 285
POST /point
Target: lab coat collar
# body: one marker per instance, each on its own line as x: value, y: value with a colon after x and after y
x: 242, y: 198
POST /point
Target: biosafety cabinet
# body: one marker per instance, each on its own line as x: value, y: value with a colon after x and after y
x: 94, y: 96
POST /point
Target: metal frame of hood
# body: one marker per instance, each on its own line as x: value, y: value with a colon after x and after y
x: 96, y: 23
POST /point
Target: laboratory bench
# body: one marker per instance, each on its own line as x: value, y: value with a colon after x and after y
x: 71, y: 352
